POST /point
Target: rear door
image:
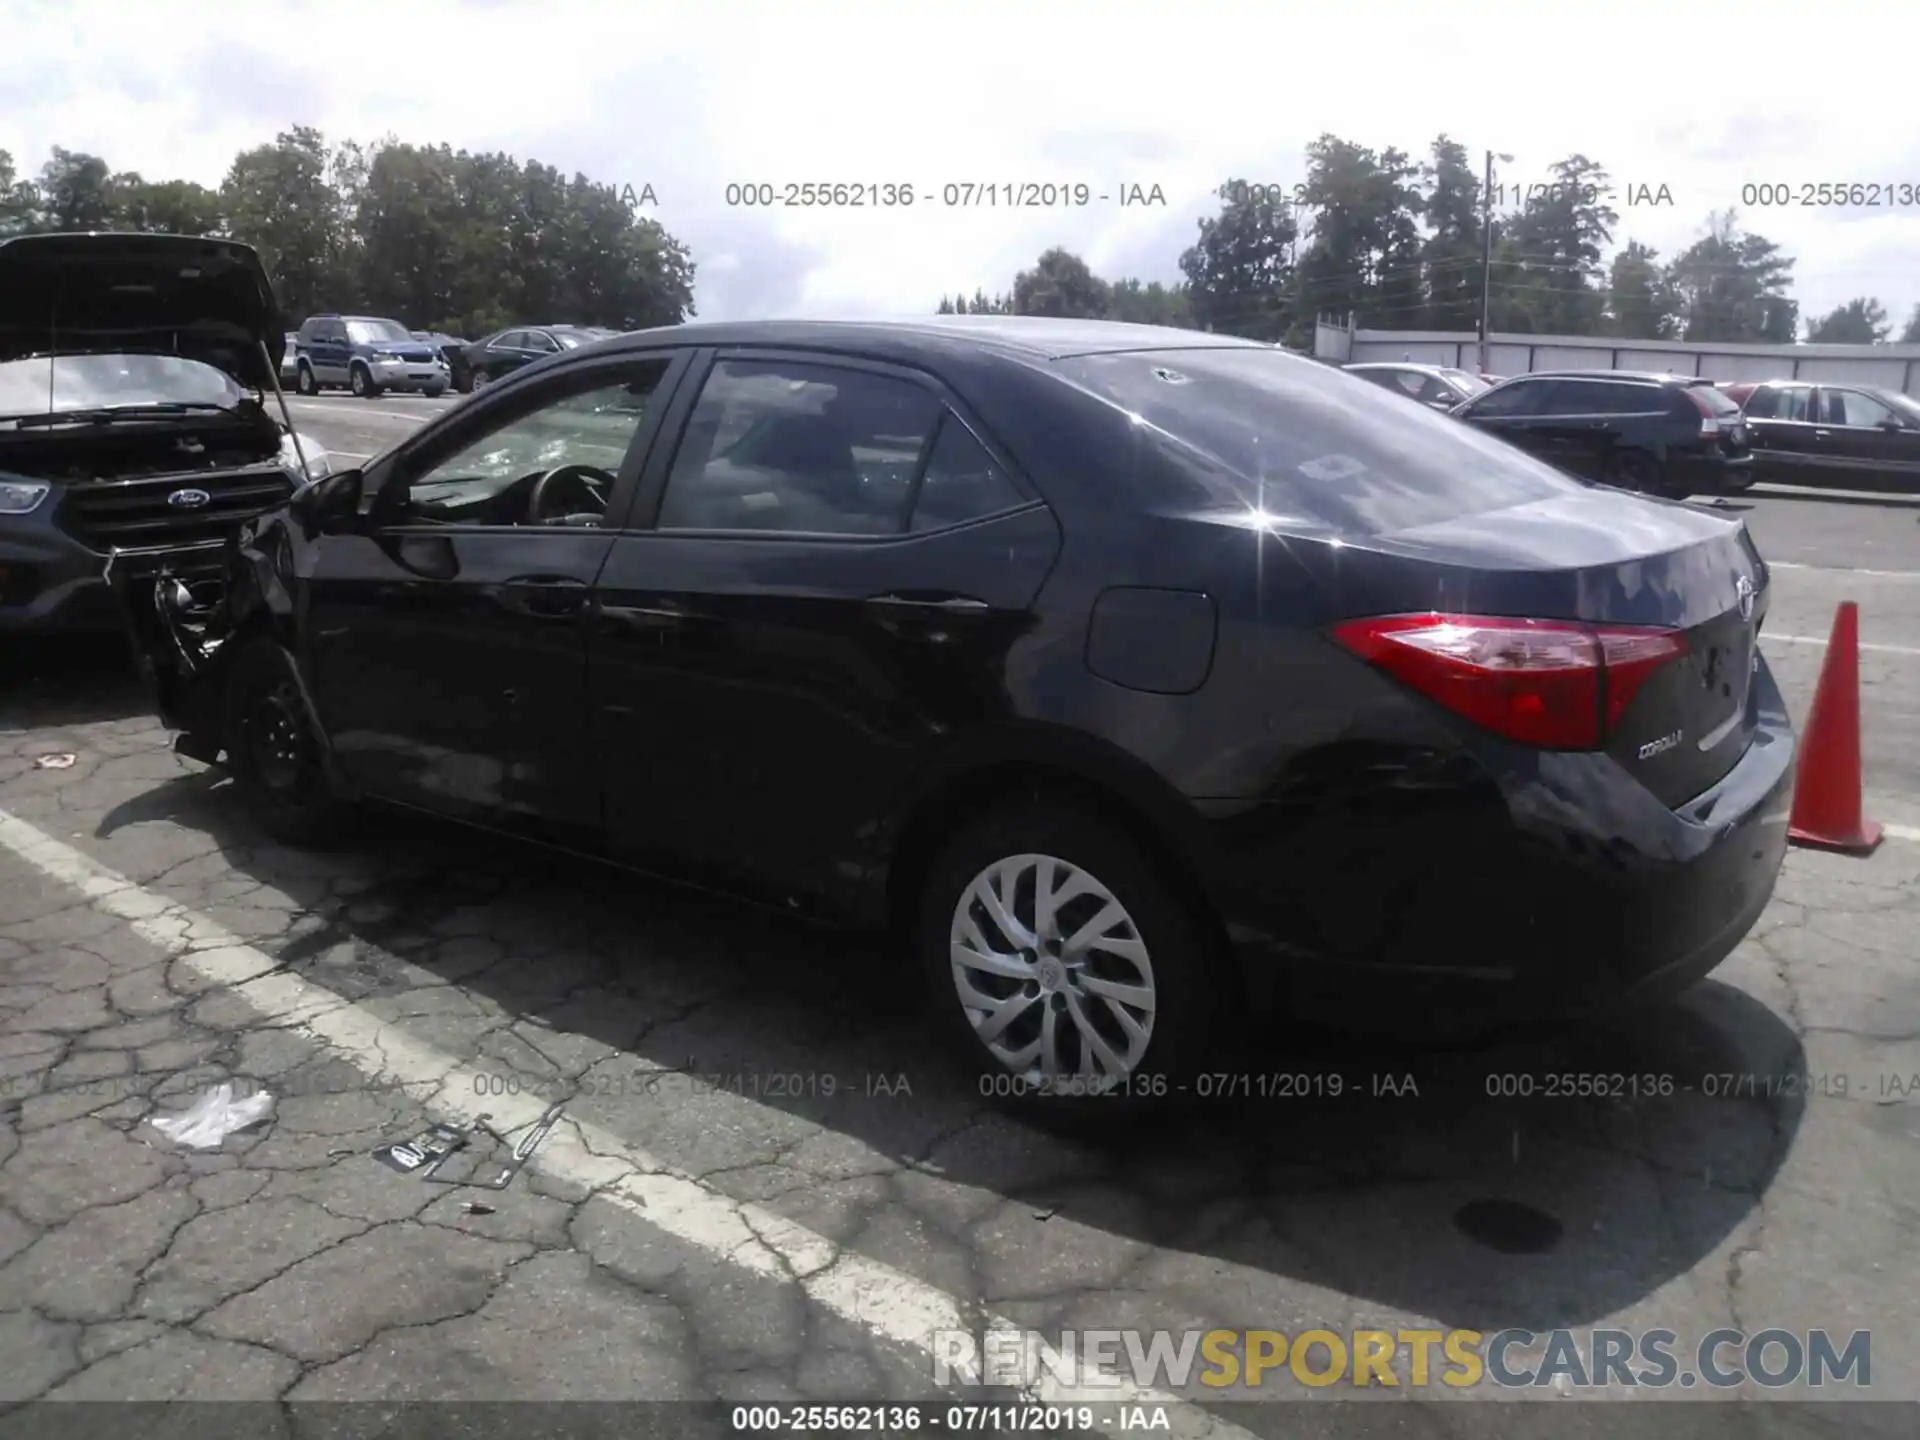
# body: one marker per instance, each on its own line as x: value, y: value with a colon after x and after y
x: 330, y: 352
x: 1780, y: 426
x: 815, y: 592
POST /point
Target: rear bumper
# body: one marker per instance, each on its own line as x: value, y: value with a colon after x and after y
x: 1706, y: 471
x: 1472, y: 897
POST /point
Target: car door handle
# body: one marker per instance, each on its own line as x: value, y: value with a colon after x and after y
x: 1823, y: 434
x: 942, y: 604
x: 545, y: 596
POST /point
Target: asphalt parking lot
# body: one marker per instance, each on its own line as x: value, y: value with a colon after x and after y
x: 764, y: 1188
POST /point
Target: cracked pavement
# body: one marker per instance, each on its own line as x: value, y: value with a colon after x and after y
x: 765, y: 1187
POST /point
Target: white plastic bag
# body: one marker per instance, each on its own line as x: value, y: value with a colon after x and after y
x: 215, y: 1116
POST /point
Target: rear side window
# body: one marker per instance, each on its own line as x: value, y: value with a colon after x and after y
x: 1764, y: 404
x: 962, y: 482
x: 1717, y: 401
x: 802, y: 448
x: 1293, y: 439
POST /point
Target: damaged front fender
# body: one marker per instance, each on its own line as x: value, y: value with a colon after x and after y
x: 189, y: 613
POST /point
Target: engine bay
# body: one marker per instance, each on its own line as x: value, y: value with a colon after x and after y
x: 134, y: 449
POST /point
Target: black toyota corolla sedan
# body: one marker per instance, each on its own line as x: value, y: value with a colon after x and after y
x: 1140, y: 680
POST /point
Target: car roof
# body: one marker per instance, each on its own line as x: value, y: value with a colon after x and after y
x: 1658, y: 377
x: 1029, y: 336
x: 1419, y: 365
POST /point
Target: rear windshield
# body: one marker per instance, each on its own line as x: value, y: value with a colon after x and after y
x: 1308, y: 444
x: 1465, y: 383
x: 1718, y: 402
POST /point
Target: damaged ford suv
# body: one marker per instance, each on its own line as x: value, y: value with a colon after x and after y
x: 134, y: 371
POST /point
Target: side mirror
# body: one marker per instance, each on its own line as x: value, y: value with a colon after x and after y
x: 1893, y: 426
x: 330, y: 506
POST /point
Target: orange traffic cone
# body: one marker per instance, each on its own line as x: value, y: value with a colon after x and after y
x: 1826, y: 793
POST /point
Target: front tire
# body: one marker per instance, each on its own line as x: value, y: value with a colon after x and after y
x: 304, y: 381
x: 273, y: 751
x: 478, y: 380
x: 434, y: 392
x: 1061, y: 965
x: 360, y: 379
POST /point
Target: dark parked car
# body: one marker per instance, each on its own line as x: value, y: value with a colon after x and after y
x: 1855, y: 436
x: 1439, y: 387
x: 453, y: 350
x: 1669, y: 435
x: 134, y: 372
x: 1142, y: 680
x: 505, y: 351
x: 368, y: 355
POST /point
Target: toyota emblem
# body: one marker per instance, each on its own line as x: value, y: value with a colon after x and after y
x: 190, y: 499
x: 1743, y: 587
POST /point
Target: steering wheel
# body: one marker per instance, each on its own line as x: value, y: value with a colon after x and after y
x: 591, y: 483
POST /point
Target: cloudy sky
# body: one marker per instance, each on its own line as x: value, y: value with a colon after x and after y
x: 688, y: 98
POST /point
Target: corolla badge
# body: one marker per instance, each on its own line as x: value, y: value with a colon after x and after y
x: 1743, y: 587
x: 1660, y: 746
x: 188, y: 499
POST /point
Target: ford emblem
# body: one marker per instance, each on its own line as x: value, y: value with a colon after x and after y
x: 188, y: 499
x: 1743, y: 587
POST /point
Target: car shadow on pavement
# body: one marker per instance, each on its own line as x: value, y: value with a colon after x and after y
x: 50, y: 682
x: 1538, y: 1184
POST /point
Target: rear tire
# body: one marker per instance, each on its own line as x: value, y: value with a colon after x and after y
x: 478, y: 380
x: 1044, y: 1010
x: 304, y: 382
x: 274, y: 753
x: 1639, y: 471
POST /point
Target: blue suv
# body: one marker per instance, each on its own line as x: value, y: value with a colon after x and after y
x: 367, y: 354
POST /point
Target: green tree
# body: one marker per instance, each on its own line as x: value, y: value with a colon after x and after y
x: 282, y: 200
x: 166, y: 207
x: 1640, y: 302
x: 73, y: 192
x: 1450, y: 255
x: 1240, y: 271
x: 1363, y: 256
x: 1732, y: 286
x: 1908, y: 336
x: 19, y: 205
x: 1150, y: 304
x: 1060, y: 284
x: 1558, y: 241
x: 1861, y: 321
x: 947, y: 307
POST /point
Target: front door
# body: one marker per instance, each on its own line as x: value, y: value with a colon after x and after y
x: 817, y: 592
x: 1509, y: 411
x: 449, y: 641
x: 1865, y: 443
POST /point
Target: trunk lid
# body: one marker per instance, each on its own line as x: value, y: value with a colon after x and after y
x: 1603, y: 558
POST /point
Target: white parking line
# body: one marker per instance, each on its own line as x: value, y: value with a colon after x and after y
x: 1902, y: 832
x: 895, y: 1307
x: 1822, y: 640
x: 1844, y: 570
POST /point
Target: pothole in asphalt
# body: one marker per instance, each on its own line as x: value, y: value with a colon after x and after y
x: 1508, y: 1226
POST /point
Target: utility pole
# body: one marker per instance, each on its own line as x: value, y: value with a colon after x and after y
x: 1486, y: 255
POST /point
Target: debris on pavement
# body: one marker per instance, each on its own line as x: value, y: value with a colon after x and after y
x: 59, y: 760
x: 429, y: 1148
x: 521, y: 1152
x: 474, y: 1207
x: 216, y: 1115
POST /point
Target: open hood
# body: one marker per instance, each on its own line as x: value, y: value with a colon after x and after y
x: 206, y: 300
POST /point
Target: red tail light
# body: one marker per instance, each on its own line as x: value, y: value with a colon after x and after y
x: 1709, y: 417
x: 1550, y: 683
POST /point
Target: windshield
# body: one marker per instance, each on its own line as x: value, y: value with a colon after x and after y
x: 1465, y: 383
x: 48, y: 385
x: 376, y: 332
x: 574, y: 339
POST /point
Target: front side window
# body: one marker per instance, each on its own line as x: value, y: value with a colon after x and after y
x: 1523, y: 397
x: 810, y: 449
x: 489, y: 479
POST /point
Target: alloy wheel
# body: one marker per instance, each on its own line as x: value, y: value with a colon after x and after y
x: 1052, y: 972
x: 279, y: 749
